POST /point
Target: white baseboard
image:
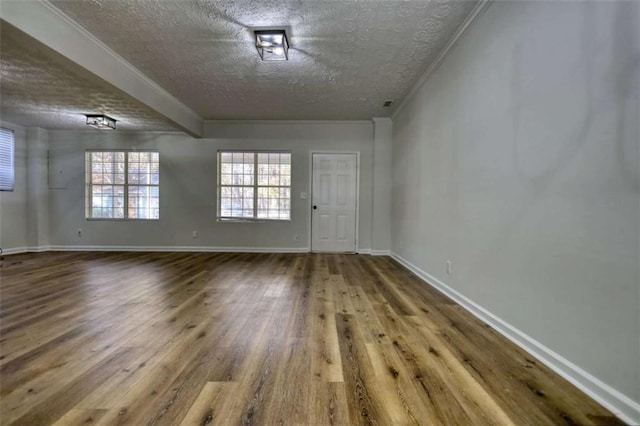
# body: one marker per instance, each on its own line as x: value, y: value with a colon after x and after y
x: 38, y: 249
x: 619, y: 404
x: 183, y: 249
x: 374, y: 252
x: 18, y: 250
x: 14, y: 250
x: 180, y: 249
x: 158, y: 248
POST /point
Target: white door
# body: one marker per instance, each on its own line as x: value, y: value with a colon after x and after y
x: 333, y: 202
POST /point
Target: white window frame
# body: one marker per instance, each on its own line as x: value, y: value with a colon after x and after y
x: 125, y: 185
x: 255, y: 217
x: 7, y: 159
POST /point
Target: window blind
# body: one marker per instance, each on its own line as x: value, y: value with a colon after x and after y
x: 6, y: 160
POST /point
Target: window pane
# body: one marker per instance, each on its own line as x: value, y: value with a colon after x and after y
x: 236, y: 201
x: 247, y: 193
x: 274, y: 181
x: 262, y: 187
x: 118, y: 202
x: 106, y: 200
x: 143, y: 202
x: 108, y: 191
x: 99, y: 207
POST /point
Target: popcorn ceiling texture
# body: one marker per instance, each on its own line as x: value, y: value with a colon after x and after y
x: 346, y: 57
x: 41, y: 88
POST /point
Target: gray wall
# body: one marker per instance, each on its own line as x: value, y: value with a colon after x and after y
x: 518, y: 160
x: 37, y: 188
x: 13, y: 205
x: 382, y: 141
x: 188, y: 185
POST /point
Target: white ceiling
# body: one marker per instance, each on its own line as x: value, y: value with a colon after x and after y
x: 346, y: 58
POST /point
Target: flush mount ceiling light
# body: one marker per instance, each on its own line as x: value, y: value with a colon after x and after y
x: 100, y: 121
x: 272, y: 45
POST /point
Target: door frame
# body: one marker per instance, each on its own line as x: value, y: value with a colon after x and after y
x: 310, y: 198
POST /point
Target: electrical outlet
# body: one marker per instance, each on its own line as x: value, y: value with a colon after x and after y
x: 80, y: 232
x: 194, y: 234
x: 449, y: 265
x: 296, y: 237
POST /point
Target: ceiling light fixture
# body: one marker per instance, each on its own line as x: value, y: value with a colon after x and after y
x: 100, y: 121
x: 272, y: 45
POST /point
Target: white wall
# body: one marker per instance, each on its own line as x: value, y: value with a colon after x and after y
x: 13, y: 205
x: 188, y: 185
x: 518, y: 160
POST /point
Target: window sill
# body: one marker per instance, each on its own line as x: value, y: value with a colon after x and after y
x: 126, y: 219
x: 249, y: 220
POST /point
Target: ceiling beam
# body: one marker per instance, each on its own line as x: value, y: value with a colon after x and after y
x: 44, y: 22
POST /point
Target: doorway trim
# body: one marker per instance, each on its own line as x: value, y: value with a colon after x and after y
x: 310, y: 198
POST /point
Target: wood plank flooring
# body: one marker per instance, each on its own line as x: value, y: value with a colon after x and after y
x: 291, y: 339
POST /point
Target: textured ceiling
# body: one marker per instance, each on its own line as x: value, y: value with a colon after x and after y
x: 346, y: 57
x: 41, y: 88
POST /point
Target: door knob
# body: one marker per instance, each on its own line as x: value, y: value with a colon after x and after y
x: 315, y: 207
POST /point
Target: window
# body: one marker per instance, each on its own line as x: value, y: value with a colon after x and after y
x: 254, y: 185
x: 6, y: 159
x: 123, y: 185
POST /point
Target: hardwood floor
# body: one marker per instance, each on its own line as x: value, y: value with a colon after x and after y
x: 294, y: 339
